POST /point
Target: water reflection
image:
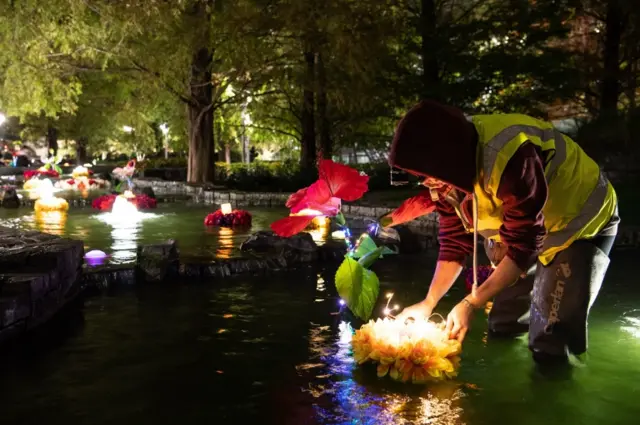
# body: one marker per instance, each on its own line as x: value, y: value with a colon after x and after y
x: 225, y: 243
x: 52, y: 222
x: 125, y: 233
x: 344, y: 393
x: 319, y: 229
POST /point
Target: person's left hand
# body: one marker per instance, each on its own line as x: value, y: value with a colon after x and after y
x: 459, y: 320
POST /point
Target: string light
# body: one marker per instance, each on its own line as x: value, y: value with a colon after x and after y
x: 387, y: 311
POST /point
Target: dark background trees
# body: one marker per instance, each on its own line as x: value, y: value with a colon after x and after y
x: 301, y: 80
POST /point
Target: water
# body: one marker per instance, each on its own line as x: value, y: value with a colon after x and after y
x: 269, y: 351
x: 183, y: 222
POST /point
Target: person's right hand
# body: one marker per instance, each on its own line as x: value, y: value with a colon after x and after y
x: 417, y: 311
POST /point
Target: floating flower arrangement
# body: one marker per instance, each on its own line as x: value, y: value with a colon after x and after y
x: 415, y: 351
x: 141, y: 201
x: 82, y: 183
x: 40, y: 172
x: 228, y: 217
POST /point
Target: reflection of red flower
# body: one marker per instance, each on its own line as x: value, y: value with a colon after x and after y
x: 336, y: 183
x: 237, y: 218
x: 412, y: 208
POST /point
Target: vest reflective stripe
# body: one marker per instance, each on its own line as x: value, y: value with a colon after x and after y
x: 590, y: 210
x: 500, y: 140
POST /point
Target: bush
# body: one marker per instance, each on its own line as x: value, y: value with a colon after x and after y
x: 285, y: 176
x: 174, y: 162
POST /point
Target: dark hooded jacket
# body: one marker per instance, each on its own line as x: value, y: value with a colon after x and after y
x: 435, y: 140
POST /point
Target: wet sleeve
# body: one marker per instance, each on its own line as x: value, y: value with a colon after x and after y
x: 523, y: 191
x: 455, y: 243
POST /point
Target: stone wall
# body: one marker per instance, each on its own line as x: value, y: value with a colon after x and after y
x: 39, y: 275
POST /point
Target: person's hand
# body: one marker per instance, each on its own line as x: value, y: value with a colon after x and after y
x: 416, y: 311
x: 459, y: 320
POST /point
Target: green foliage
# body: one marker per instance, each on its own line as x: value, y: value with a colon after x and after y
x: 172, y: 162
x: 358, y: 287
x: 264, y: 176
x: 90, y: 67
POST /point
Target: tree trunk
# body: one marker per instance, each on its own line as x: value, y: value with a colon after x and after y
x: 610, y: 88
x: 227, y: 153
x: 201, y: 164
x: 81, y: 151
x: 326, y: 146
x: 52, y: 140
x: 244, y: 138
x: 308, y: 150
x: 430, y: 69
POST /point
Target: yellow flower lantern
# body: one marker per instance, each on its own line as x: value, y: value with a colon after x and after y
x: 47, y: 201
x: 414, y: 351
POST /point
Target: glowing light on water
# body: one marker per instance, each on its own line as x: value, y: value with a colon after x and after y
x: 95, y: 257
x: 126, y: 222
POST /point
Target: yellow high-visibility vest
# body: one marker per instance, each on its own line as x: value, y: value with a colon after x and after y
x: 580, y: 202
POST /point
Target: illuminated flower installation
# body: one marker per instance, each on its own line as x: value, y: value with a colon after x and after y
x: 336, y: 183
x: 412, y: 351
x: 228, y: 217
x: 141, y: 201
x: 47, y: 201
x: 41, y: 172
x: 124, y: 174
x: 416, y: 351
x: 82, y: 181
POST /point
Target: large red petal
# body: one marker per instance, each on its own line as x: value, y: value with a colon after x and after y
x: 343, y: 182
x: 412, y: 208
x: 317, y: 194
x: 292, y: 225
x: 297, y: 199
x: 330, y: 208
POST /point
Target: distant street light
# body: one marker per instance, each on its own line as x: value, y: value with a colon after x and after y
x: 127, y: 129
x: 164, y: 128
x: 2, y: 118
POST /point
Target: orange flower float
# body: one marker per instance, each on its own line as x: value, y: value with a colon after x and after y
x: 417, y: 351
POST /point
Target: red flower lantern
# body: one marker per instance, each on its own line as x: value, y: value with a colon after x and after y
x: 141, y: 201
x: 29, y: 174
x: 235, y: 218
x: 336, y: 183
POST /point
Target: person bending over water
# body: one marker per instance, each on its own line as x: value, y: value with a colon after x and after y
x: 548, y: 216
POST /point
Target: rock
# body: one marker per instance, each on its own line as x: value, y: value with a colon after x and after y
x: 10, y: 198
x: 158, y: 262
x: 298, y: 248
x: 108, y: 276
x: 148, y: 190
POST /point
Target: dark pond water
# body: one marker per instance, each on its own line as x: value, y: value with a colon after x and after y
x: 119, y: 238
x: 269, y: 351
